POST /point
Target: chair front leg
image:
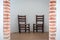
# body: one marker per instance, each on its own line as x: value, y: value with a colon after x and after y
x: 36, y: 28
x: 25, y: 27
x: 34, y: 25
x: 42, y: 28
x: 29, y: 27
x: 19, y: 28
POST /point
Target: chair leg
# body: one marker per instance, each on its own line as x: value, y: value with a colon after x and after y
x: 25, y: 29
x: 19, y: 31
x: 29, y: 29
x: 36, y: 29
x: 42, y: 29
x: 33, y: 29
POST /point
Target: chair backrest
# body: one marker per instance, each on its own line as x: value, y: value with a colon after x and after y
x: 21, y: 19
x: 39, y: 19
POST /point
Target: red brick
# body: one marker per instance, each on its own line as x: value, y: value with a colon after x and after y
x: 6, y: 14
x: 52, y: 12
x: 52, y: 8
x: 6, y: 2
x: 52, y: 21
x: 52, y: 1
x: 52, y: 24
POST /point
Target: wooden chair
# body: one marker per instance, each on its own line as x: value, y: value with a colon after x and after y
x: 22, y: 24
x: 39, y: 26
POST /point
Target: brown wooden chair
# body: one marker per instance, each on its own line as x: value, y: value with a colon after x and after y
x: 22, y: 24
x: 39, y: 26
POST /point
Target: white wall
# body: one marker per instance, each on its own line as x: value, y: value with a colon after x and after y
x: 1, y: 19
x: 58, y: 20
x: 29, y: 8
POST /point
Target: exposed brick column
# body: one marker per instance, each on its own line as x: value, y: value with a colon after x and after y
x: 52, y: 20
x: 6, y: 20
